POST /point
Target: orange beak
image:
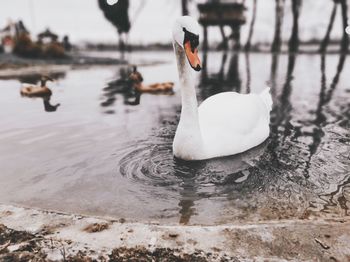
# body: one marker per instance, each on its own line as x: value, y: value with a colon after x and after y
x: 192, y: 56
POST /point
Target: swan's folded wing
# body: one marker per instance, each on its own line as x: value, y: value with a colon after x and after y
x: 230, y: 113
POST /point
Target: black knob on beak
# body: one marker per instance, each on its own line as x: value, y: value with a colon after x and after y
x: 198, y: 68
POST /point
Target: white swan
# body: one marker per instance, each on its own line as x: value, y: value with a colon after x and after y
x: 224, y: 124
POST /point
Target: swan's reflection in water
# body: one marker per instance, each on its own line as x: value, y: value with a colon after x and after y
x: 214, y: 178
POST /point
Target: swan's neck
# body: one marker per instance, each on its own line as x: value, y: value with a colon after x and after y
x: 189, y: 109
x: 188, y: 137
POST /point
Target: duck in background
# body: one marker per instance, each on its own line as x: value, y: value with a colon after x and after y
x: 136, y: 80
x: 41, y: 90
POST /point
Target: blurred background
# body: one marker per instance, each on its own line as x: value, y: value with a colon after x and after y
x: 149, y: 22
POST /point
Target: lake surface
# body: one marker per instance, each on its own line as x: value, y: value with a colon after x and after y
x: 101, y: 152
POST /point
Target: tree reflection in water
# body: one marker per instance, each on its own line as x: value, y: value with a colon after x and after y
x: 222, y: 81
x: 342, y: 190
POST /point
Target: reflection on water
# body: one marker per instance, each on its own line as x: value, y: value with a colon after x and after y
x: 320, y: 118
x: 223, y: 80
x: 318, y: 134
x: 121, y: 164
x: 120, y: 86
x: 48, y: 106
x: 152, y: 164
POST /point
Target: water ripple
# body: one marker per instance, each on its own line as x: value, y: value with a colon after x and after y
x: 152, y: 164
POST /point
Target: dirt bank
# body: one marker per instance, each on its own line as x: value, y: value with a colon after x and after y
x: 10, y: 61
x: 12, y: 67
x: 32, y: 234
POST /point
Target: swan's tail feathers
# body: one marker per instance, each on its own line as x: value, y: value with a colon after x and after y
x: 266, y: 97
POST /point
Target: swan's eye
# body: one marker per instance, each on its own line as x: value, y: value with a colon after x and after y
x: 192, y: 38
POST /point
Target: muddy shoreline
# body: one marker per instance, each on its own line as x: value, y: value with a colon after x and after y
x: 75, y: 59
x: 13, y: 67
x: 48, y: 236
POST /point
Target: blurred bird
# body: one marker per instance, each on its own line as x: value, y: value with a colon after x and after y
x: 136, y: 80
x: 135, y: 76
x: 37, y: 90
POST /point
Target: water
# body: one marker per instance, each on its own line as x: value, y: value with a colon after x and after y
x: 101, y: 152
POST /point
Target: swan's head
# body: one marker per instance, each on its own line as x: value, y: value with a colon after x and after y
x: 186, y: 35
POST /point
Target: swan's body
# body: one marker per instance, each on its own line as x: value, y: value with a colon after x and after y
x: 224, y: 124
x: 231, y: 123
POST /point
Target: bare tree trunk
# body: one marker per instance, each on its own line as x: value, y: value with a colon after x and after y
x: 345, y: 39
x: 233, y: 76
x: 224, y: 44
x: 325, y: 40
x: 248, y: 73
x: 251, y: 29
x: 294, y: 39
x: 184, y: 7
x: 236, y: 36
x: 273, y: 75
x: 276, y: 44
x: 205, y: 38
